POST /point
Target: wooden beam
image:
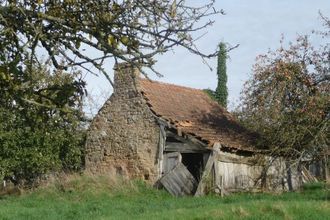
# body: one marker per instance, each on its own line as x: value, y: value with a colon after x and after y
x: 232, y: 159
x: 206, y: 173
x: 163, y: 122
x: 186, y: 139
x: 171, y: 134
x: 184, y: 148
x: 217, y: 178
x: 195, y: 140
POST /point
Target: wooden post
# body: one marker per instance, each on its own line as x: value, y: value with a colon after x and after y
x: 207, y: 170
x: 161, y: 146
x: 217, y: 178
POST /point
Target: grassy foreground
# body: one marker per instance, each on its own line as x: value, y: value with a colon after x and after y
x: 101, y: 198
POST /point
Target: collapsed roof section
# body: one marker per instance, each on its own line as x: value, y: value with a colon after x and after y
x: 192, y: 112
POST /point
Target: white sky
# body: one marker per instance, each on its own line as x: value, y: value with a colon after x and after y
x: 256, y: 25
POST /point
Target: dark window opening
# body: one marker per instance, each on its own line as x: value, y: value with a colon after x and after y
x: 194, y: 163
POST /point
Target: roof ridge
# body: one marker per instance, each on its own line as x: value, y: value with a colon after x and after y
x: 171, y: 84
x: 186, y: 87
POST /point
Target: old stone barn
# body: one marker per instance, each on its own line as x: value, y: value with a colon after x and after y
x: 175, y: 137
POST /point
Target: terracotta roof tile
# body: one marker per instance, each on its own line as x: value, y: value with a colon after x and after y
x: 194, y: 112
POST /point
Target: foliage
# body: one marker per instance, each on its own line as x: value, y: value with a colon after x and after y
x: 132, y: 31
x: 221, y: 92
x: 287, y: 99
x: 97, y: 198
x: 40, y: 107
x: 210, y: 93
x: 40, y: 122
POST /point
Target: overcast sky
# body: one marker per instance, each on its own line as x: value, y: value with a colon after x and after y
x: 256, y: 25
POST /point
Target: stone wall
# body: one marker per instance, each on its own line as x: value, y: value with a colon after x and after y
x: 123, y: 138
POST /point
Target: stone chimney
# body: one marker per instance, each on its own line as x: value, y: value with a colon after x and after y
x: 125, y: 79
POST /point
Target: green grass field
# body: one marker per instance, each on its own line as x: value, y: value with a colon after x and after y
x: 88, y: 198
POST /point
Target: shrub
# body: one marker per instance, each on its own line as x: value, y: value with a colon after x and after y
x: 40, y: 124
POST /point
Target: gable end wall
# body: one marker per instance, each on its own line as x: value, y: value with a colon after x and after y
x: 123, y: 138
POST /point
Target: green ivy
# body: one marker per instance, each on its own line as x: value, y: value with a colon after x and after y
x: 221, y: 92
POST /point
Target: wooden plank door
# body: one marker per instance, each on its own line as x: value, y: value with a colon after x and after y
x: 179, y: 181
x: 171, y: 160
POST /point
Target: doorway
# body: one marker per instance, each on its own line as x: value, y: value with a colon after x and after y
x: 194, y: 163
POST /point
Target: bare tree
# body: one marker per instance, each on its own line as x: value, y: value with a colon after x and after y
x: 123, y: 30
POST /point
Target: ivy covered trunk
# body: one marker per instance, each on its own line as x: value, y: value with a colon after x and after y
x: 221, y: 92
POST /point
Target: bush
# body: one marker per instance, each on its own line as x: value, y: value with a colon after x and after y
x: 40, y: 125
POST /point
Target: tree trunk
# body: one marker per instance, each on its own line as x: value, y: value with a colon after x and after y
x: 289, y: 175
x: 326, y: 169
x: 299, y: 171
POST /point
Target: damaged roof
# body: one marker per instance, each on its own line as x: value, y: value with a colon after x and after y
x: 193, y: 112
